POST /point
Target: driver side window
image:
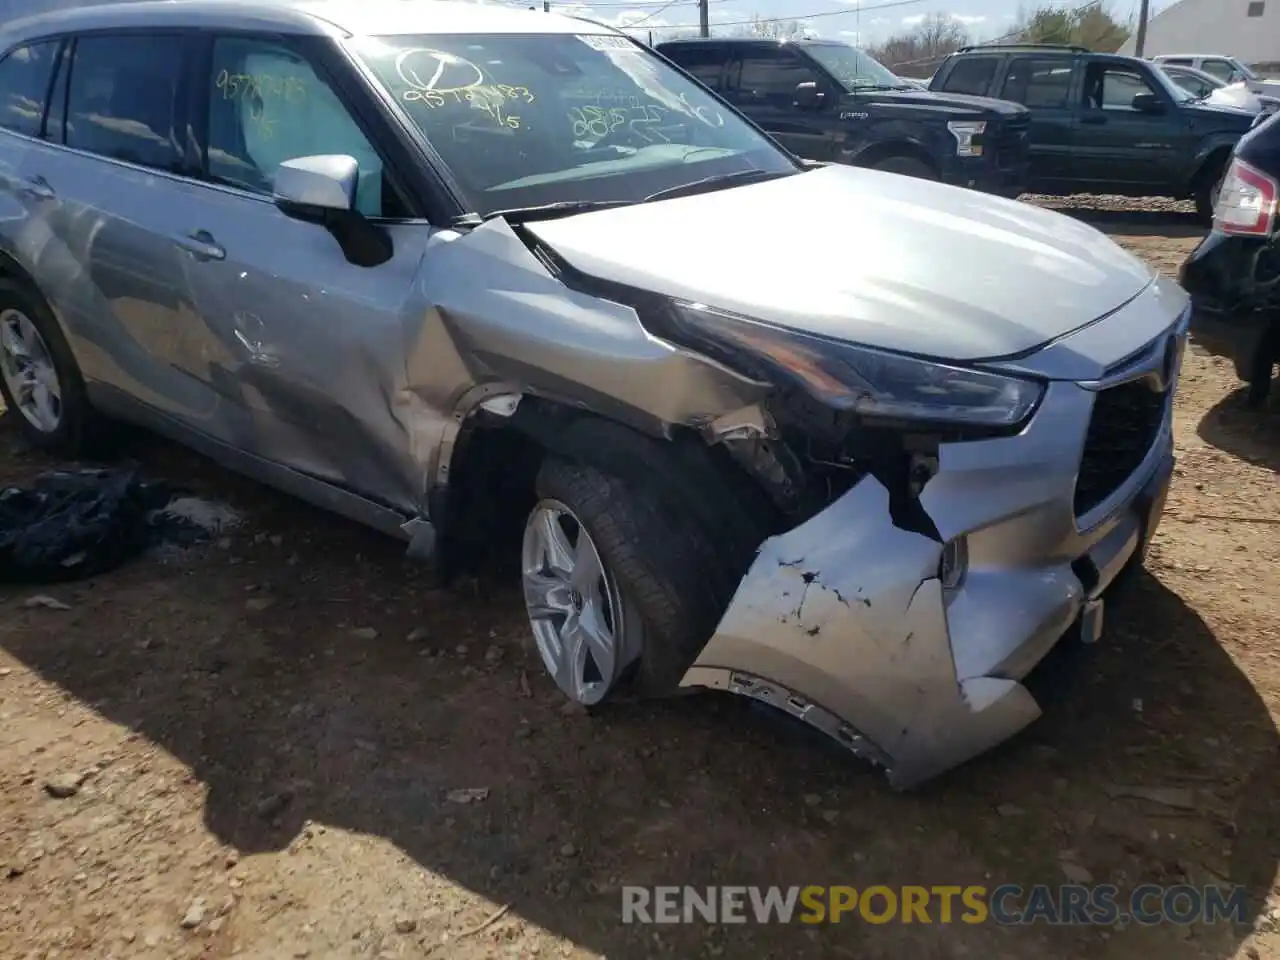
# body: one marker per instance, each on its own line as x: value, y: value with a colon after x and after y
x: 267, y: 105
x: 1221, y: 69
x: 1112, y: 88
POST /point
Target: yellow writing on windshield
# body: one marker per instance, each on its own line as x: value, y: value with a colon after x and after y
x: 259, y: 86
x: 481, y: 93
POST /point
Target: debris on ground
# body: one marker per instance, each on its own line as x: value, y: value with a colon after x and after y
x: 72, y: 524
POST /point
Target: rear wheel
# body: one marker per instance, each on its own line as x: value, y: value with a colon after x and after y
x: 907, y: 167
x: 39, y: 378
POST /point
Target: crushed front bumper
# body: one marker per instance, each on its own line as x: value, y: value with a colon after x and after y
x: 845, y: 621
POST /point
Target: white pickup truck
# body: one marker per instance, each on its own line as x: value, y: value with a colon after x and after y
x: 1227, y: 69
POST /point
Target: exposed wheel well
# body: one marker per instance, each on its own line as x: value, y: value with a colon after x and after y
x: 496, y: 461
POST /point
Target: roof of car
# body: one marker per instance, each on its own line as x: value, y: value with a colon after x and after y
x: 797, y: 41
x: 306, y: 17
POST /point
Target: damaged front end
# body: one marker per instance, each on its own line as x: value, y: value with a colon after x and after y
x: 938, y: 527
x: 901, y: 615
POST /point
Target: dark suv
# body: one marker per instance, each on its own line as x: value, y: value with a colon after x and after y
x: 832, y: 102
x: 1102, y: 123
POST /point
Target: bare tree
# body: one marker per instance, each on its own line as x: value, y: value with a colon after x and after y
x: 918, y: 52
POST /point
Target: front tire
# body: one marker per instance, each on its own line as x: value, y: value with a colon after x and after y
x: 39, y: 379
x: 907, y: 167
x: 616, y: 584
x: 1207, y: 191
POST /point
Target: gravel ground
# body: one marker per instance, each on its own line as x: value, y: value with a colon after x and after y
x: 255, y: 749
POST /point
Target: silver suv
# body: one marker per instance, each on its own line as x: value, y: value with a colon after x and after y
x: 859, y: 446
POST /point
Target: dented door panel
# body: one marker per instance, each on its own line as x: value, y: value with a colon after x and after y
x: 303, y: 350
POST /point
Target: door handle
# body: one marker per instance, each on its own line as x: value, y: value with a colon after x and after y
x: 37, y: 187
x: 1093, y: 118
x: 200, y: 245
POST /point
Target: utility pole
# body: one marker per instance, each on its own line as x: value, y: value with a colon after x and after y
x: 704, y: 19
x: 1140, y: 42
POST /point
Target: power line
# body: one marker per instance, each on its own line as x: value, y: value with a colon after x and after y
x: 649, y: 16
x: 797, y: 17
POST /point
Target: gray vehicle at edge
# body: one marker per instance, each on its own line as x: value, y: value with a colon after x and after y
x: 858, y: 446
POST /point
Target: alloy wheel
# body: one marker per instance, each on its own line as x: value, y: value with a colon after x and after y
x: 26, y: 364
x: 574, y: 606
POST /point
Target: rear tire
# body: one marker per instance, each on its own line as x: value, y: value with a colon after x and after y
x: 657, y: 568
x: 39, y: 378
x: 907, y: 167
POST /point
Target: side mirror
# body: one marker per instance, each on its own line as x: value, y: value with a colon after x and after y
x: 808, y: 96
x: 311, y: 187
x: 321, y: 189
x: 1147, y: 103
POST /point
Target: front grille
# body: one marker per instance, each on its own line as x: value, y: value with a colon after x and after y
x: 1125, y: 423
x: 1013, y: 144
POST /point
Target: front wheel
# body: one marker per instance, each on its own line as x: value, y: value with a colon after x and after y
x: 907, y: 167
x: 1207, y: 194
x: 615, y: 585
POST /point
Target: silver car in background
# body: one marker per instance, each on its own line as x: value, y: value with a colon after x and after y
x: 858, y: 446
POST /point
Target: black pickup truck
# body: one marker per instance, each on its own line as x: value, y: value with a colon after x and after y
x: 831, y: 102
x: 1102, y: 123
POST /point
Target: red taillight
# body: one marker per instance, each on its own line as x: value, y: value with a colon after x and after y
x: 1247, y: 201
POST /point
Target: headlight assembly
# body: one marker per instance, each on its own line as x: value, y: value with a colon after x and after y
x: 968, y: 134
x: 868, y: 382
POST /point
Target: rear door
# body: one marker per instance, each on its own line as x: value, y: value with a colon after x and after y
x: 1119, y: 147
x: 707, y: 62
x: 107, y: 196
x: 762, y: 84
x: 1046, y: 86
x: 975, y: 75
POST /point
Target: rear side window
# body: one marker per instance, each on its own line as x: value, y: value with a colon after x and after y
x: 1219, y: 68
x: 1038, y: 83
x: 771, y: 77
x: 24, y: 86
x: 123, y: 99
x: 971, y: 75
x: 705, y: 63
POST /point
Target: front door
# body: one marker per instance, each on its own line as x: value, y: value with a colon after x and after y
x: 1044, y: 85
x: 762, y: 84
x: 306, y: 349
x: 1119, y: 147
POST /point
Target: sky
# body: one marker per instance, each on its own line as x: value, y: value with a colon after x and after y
x: 861, y: 22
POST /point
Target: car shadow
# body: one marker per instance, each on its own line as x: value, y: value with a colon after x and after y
x: 289, y: 718
x: 1251, y: 435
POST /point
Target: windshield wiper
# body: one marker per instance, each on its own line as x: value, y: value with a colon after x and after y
x: 719, y: 180
x: 561, y: 208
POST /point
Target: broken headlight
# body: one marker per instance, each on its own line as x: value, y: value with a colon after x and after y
x: 865, y: 381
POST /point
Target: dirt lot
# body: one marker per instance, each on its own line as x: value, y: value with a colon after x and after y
x: 260, y: 776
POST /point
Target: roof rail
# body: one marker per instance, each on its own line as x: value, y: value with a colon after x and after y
x: 1073, y: 48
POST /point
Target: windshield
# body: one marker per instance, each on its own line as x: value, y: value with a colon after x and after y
x: 1183, y: 86
x: 1178, y: 93
x: 852, y: 68
x: 527, y: 120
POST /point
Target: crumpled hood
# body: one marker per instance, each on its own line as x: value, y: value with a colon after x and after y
x: 867, y: 257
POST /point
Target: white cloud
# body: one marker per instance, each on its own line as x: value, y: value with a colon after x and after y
x: 969, y: 20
